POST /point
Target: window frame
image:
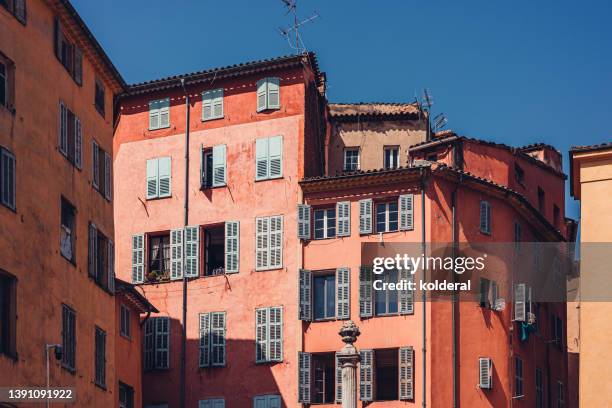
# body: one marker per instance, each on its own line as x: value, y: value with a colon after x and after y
x: 100, y: 357
x: 326, y: 274
x: 539, y: 387
x: 125, y: 322
x: 8, y: 314
x: 395, y: 159
x: 560, y: 394
x: 345, y: 156
x: 487, y: 229
x: 8, y: 161
x: 69, y: 342
x: 63, y: 204
x: 518, y: 377
x: 100, y: 92
x: 326, y: 220
x: 385, y: 277
x: 158, y: 111
x: 213, y: 99
x: 4, y: 77
x: 207, y: 176
x: 386, y: 203
x: 148, y: 253
x: 128, y: 391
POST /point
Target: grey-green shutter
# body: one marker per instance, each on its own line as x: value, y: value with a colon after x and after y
x: 153, y: 115
x: 303, y: 221
x: 217, y: 346
x: 152, y: 180
x: 262, y: 92
x: 485, y: 217
x: 304, y: 368
x: 63, y: 129
x: 219, y: 165
x: 305, y: 295
x: 275, y: 332
x: 207, y: 105
x: 343, y: 217
x: 275, y: 157
x: 78, y: 143
x: 343, y: 293
x: 204, y: 340
x: 261, y: 335
x: 406, y: 206
x: 138, y: 246
x: 366, y: 375
x: 232, y: 246
x: 165, y: 176
x: 20, y: 10
x: 365, y: 216
x: 365, y: 291
x: 276, y: 241
x: 162, y: 342
x: 406, y: 297
x: 484, y: 372
x: 262, y: 243
x: 95, y: 164
x: 176, y: 253
x: 93, y: 250
x: 217, y: 103
x: 273, y: 93
x: 108, y: 181
x: 164, y: 113
x: 149, y: 344
x: 111, y: 266
x: 406, y: 373
x: 338, y: 380
x: 78, y: 65
x: 261, y: 159
x: 520, y: 297
x: 192, y: 251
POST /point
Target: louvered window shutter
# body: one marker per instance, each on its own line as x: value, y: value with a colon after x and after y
x: 276, y: 241
x: 7, y: 178
x: 63, y: 129
x: 406, y: 296
x: 365, y: 216
x: 152, y: 180
x: 78, y: 65
x: 275, y: 157
x: 305, y: 295
x: 192, y: 251
x: 217, y: 329
x: 406, y: 212
x: 78, y: 143
x: 20, y: 10
x: 338, y: 380
x: 485, y: 217
x: 275, y: 332
x: 520, y: 295
x: 365, y: 291
x: 303, y: 221
x: 261, y: 336
x: 261, y: 159
x: 57, y: 32
x: 205, y: 340
x: 485, y: 367
x: 108, y: 181
x: 260, y: 402
x: 406, y: 373
x: 154, y: 115
x: 164, y: 113
x: 232, y: 247
x: 304, y: 362
x: 343, y: 287
x: 366, y: 375
x: 219, y: 165
x: 149, y: 344
x: 343, y: 217
x: 95, y: 164
x: 217, y: 104
x: 138, y: 248
x: 485, y: 287
x: 93, y: 250
x: 262, y: 91
x: 207, y: 105
x: 176, y: 253
x: 165, y: 176
x: 111, y: 266
x: 273, y: 93
x: 262, y: 242
x: 162, y: 342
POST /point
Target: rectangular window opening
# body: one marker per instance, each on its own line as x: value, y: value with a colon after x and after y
x: 323, y: 381
x: 387, y: 374
x: 214, y: 250
x: 325, y: 223
x: 386, y: 300
x: 324, y: 286
x: 351, y: 159
x: 68, y: 230
x: 391, y: 160
x: 386, y: 217
x: 159, y: 257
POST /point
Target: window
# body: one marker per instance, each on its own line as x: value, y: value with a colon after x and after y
x: 159, y: 178
x: 7, y: 178
x: 324, y: 290
x: 214, y: 250
x: 99, y: 97
x: 386, y: 299
x: 17, y: 8
x: 541, y: 200
x: 518, y: 377
x: 68, y: 230
x: 125, y: 322
x: 556, y: 215
x: 560, y: 395
x: 386, y: 374
x: 68, y: 338
x: 323, y: 378
x: 4, y: 84
x: 159, y: 114
x: 268, y: 94
x: 70, y: 137
x: 100, y: 357
x: 351, y: 159
x: 101, y: 259
x: 383, y: 301
x: 214, y: 166
x: 391, y: 158
x: 269, y: 334
x: 159, y: 257
x: 212, y: 339
x: 101, y: 171
x: 539, y: 387
x: 212, y: 104
x: 126, y: 396
x: 485, y: 217
x: 212, y: 403
x: 269, y: 158
x: 386, y: 217
x: 488, y: 293
x: 485, y: 368
x: 517, y: 235
x: 157, y: 343
x: 269, y: 242
x: 267, y: 401
x: 70, y: 56
x: 519, y: 174
x: 325, y: 223
x: 207, y: 168
x: 8, y: 316
x: 556, y: 331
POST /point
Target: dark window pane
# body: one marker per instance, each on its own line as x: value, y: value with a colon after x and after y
x: 381, y: 217
x: 319, y: 297
x: 330, y: 304
x: 392, y: 294
x: 331, y: 222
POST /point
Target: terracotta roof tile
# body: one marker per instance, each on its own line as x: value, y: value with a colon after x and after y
x: 373, y: 109
x: 601, y: 146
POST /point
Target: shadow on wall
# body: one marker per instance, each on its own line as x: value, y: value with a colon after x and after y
x: 238, y: 382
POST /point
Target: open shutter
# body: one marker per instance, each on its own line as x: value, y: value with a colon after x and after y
x: 406, y: 296
x: 303, y: 221
x: 93, y: 250
x: 275, y: 156
x: 176, y: 253
x: 162, y: 342
x: 232, y: 247
x: 304, y: 363
x: 338, y: 380
x: 261, y: 335
x: 366, y: 375
x: 275, y: 330
x: 343, y: 279
x: 138, y: 248
x: 192, y: 252
x: 262, y: 95
x: 63, y: 129
x: 20, y: 10
x: 95, y: 164
x: 406, y: 212
x: 276, y: 241
x: 520, y: 296
x: 485, y: 288
x: 217, y: 104
x: 111, y: 266
x: 207, y: 105
x: 78, y: 65
x: 365, y: 216
x: 164, y: 113
x: 152, y: 180
x: 305, y: 295
x: 219, y: 165
x: 365, y: 291
x: 217, y: 329
x: 485, y: 217
x: 343, y: 217
x: 261, y: 159
x: 78, y: 143
x: 165, y: 176
x: 149, y: 344
x: 108, y: 181
x: 485, y: 369
x: 273, y: 93
x: 262, y: 243
x: 154, y: 115
x: 406, y: 373
x: 205, y: 339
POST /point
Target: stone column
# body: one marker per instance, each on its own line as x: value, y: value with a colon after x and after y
x: 348, y: 357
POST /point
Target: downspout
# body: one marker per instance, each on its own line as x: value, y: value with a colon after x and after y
x: 185, y: 223
x: 423, y: 293
x: 454, y: 301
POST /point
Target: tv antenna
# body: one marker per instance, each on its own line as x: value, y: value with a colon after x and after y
x: 439, y: 121
x: 292, y: 33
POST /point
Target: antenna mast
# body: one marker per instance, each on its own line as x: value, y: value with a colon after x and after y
x: 294, y: 29
x: 439, y: 121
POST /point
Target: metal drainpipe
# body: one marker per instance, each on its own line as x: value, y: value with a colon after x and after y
x: 454, y: 302
x: 423, y: 293
x: 185, y: 222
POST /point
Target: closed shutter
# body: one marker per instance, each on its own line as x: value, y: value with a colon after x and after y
x: 276, y: 241
x: 262, y: 242
x: 343, y: 217
x: 57, y: 32
x: 217, y: 346
x: 406, y: 373
x: 111, y: 266
x: 261, y: 159
x: 152, y: 180
x: 162, y: 342
x: 176, y: 253
x: 260, y: 402
x: 205, y: 340
x: 520, y: 296
x: 107, y: 176
x: 303, y: 221
x: 484, y: 371
x: 63, y: 129
x: 304, y: 363
x: 273, y: 93
x: 219, y: 165
x: 192, y: 251
x: 273, y: 401
x: 149, y: 344
x: 338, y: 380
x: 154, y: 115
x: 138, y: 258
x: 78, y: 65
x: 7, y: 178
x: 261, y: 335
x: 366, y: 375
x: 165, y: 176
x: 406, y: 296
x: 305, y: 295
x: 365, y: 291
x: 164, y: 113
x: 262, y: 95
x: 20, y: 10
x: 212, y: 104
x: 207, y: 103
x: 406, y: 207
x: 275, y: 156
x: 275, y: 320
x: 93, y: 250
x: 95, y: 165
x: 78, y: 143
x: 343, y: 285
x: 217, y: 106
x: 232, y: 247
x: 485, y: 217
x: 365, y: 216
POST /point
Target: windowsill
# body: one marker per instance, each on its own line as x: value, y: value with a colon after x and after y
x: 159, y: 128
x: 485, y: 233
x: 268, y: 362
x: 8, y: 109
x: 70, y: 370
x: 344, y: 169
x: 269, y: 178
x: 128, y: 338
x: 101, y: 386
x: 9, y: 208
x: 268, y: 110
x: 214, y: 118
x: 158, y: 198
x: 10, y: 356
x: 71, y: 261
x: 100, y: 111
x: 325, y: 319
x: 212, y: 367
x: 275, y: 268
x: 324, y: 238
x: 203, y: 188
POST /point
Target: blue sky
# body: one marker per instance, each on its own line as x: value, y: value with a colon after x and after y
x: 511, y: 72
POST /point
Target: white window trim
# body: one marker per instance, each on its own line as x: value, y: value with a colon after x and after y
x: 397, y: 156
x: 152, y: 102
x: 386, y: 203
x: 208, y: 97
x: 325, y: 223
x: 351, y: 149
